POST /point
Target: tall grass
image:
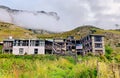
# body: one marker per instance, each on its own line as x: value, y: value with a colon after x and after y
x: 52, y: 66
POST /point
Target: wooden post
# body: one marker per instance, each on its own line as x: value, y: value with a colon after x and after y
x: 98, y: 74
x: 119, y: 69
x: 113, y: 71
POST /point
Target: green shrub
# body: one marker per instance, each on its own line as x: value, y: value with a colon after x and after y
x: 117, y: 58
x: 70, y: 59
x: 89, y: 73
x: 108, y: 52
x: 90, y: 54
x: 7, y: 56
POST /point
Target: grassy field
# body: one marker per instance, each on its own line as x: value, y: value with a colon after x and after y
x: 54, y: 66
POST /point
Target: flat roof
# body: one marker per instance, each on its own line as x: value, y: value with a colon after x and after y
x: 8, y: 40
x: 20, y: 39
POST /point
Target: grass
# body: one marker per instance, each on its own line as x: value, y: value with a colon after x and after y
x: 52, y: 66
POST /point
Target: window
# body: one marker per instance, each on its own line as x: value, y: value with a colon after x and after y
x: 18, y: 42
x: 25, y: 43
x: 35, y: 51
x: 21, y: 50
x: 32, y: 43
x: 73, y: 47
x: 98, y: 45
x: 37, y: 43
x: 98, y: 38
x: 42, y: 43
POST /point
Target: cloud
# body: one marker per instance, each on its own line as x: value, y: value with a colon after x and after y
x: 72, y: 13
x: 106, y: 13
x: 30, y: 19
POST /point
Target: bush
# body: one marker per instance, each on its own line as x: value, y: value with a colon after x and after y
x: 70, y: 59
x: 7, y: 56
x: 90, y: 54
x: 108, y: 52
x: 117, y: 58
x: 89, y: 73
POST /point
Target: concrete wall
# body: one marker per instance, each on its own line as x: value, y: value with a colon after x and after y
x: 103, y: 41
x: 16, y: 50
x: 28, y: 49
x: 41, y: 49
x: 93, y: 45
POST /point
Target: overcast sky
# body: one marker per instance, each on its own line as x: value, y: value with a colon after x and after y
x: 73, y: 13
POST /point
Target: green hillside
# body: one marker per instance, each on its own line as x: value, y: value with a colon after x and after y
x: 7, y: 29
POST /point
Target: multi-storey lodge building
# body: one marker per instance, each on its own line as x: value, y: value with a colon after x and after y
x: 64, y: 46
x: 93, y: 43
x: 31, y: 46
x: 21, y: 47
x: 59, y: 46
x: 8, y: 46
x: 49, y: 46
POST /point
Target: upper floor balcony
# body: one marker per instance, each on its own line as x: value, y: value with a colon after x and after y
x: 98, y: 39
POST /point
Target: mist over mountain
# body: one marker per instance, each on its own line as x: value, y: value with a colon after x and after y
x: 30, y: 19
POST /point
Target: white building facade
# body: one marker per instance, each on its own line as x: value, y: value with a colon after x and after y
x: 22, y: 47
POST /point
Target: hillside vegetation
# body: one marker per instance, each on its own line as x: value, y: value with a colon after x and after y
x: 7, y: 29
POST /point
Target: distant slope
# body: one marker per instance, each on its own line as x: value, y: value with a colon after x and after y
x: 77, y: 32
x: 41, y: 31
x: 83, y: 31
x: 7, y: 29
